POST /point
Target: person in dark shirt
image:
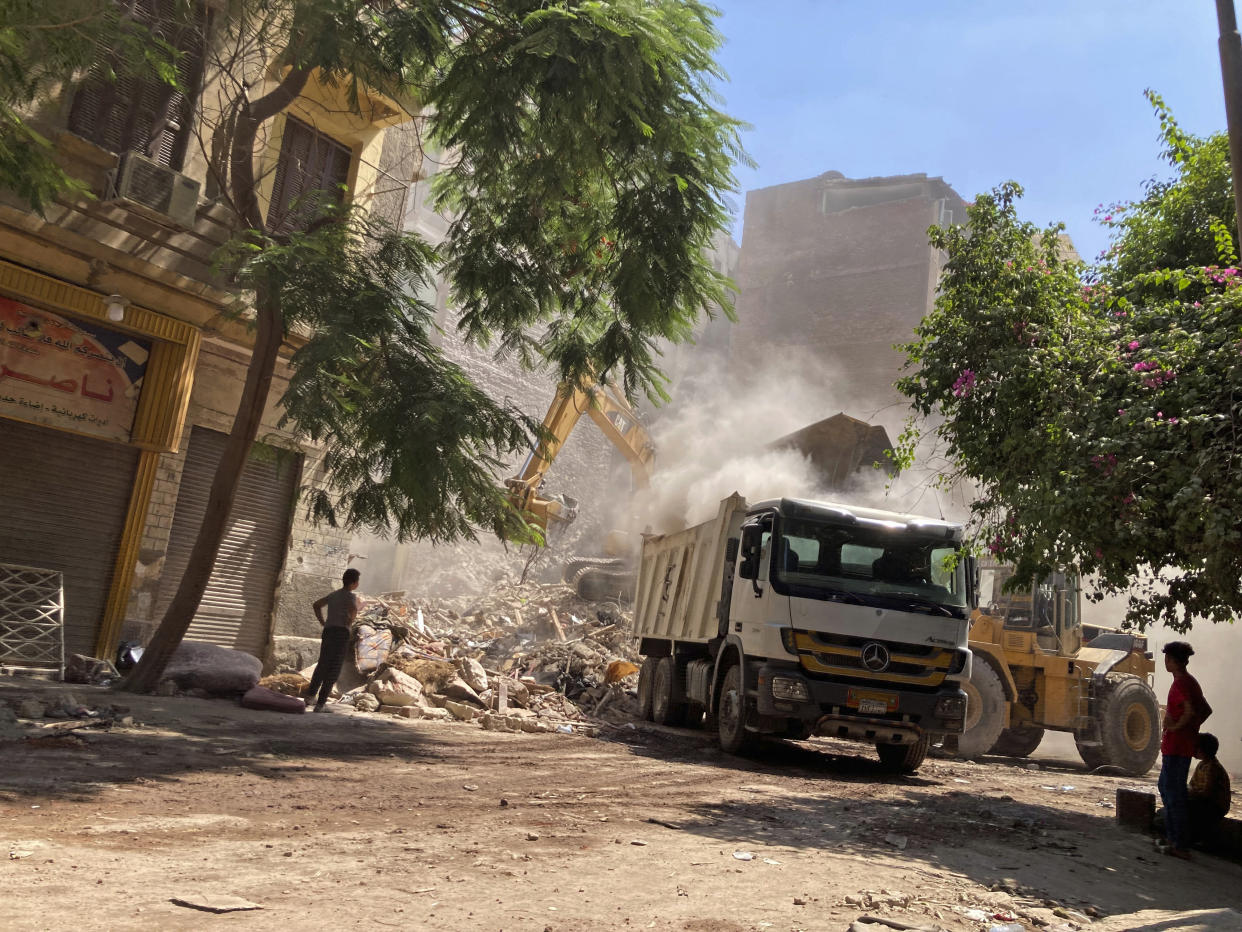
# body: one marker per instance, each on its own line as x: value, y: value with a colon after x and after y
x: 1209, y: 795
x: 1185, y: 711
x: 342, y: 606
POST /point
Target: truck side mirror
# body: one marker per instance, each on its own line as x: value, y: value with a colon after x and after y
x: 972, y: 582
x: 752, y: 546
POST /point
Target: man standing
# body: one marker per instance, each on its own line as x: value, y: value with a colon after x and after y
x: 1185, y: 711
x: 342, y: 606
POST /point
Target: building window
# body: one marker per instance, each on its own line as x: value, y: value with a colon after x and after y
x: 311, y: 170
x: 121, y: 112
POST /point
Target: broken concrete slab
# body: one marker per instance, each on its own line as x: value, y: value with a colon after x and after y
x: 218, y: 670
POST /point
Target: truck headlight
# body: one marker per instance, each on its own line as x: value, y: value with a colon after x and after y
x: 785, y: 687
x: 951, y: 707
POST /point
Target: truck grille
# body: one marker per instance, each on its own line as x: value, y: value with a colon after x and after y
x: 843, y: 656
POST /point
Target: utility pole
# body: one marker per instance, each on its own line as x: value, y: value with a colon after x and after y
x: 1231, y: 75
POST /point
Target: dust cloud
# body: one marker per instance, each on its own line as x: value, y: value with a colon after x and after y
x: 715, y: 440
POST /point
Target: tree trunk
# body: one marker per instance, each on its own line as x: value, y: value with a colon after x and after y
x: 146, y: 674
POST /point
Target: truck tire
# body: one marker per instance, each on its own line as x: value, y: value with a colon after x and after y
x: 1018, y: 742
x: 985, y: 711
x: 903, y: 758
x: 646, y: 677
x: 667, y: 707
x: 731, y: 715
x: 1128, y: 719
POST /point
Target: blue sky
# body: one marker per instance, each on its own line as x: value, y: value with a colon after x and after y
x: 1049, y: 94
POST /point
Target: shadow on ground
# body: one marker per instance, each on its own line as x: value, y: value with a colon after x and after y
x: 175, y: 736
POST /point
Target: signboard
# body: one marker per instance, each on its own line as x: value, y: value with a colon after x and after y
x: 72, y: 374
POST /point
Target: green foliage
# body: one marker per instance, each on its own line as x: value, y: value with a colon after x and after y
x: 592, y: 176
x: 1095, y: 410
x: 409, y: 441
x: 589, y: 177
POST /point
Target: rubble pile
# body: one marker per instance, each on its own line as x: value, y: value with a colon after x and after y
x: 531, y: 657
x: 27, y: 717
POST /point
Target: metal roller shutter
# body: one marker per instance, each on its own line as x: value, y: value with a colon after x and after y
x: 63, y: 500
x: 237, y: 606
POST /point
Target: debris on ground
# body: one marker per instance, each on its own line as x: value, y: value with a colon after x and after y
x: 531, y: 658
x: 24, y: 718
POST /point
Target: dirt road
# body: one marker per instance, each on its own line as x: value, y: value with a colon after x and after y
x: 353, y: 821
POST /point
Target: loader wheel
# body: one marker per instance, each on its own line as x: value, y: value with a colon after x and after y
x: 731, y: 715
x: 985, y: 711
x: 667, y: 707
x: 903, y: 758
x: 1128, y: 718
x: 1018, y: 742
x: 646, y: 677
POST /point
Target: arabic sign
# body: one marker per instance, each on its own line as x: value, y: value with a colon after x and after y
x: 67, y: 373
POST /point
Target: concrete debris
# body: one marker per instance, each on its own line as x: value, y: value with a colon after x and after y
x: 80, y: 668
x: 290, y: 684
x: 524, y: 658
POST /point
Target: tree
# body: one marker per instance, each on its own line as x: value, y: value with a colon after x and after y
x: 590, y: 175
x: 1096, y: 408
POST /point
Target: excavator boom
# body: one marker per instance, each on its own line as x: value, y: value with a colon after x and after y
x: 616, y: 418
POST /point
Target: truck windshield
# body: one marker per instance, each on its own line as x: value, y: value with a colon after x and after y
x: 874, y: 565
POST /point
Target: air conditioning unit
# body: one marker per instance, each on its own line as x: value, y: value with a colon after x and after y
x: 141, y: 181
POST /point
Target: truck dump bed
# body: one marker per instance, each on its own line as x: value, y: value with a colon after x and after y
x: 680, y: 575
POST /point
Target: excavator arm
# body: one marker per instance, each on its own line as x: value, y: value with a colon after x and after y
x: 615, y: 417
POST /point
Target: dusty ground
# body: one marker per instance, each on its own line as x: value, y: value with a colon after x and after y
x: 353, y: 821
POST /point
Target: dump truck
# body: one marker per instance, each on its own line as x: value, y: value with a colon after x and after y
x: 791, y: 618
x: 1038, y: 668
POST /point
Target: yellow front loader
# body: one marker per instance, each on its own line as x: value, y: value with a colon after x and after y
x: 1034, y: 672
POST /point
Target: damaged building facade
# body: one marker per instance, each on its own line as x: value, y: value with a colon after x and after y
x: 836, y: 270
x: 123, y: 359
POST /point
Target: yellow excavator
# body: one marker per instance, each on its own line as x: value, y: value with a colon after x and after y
x: 596, y: 578
x: 1038, y: 668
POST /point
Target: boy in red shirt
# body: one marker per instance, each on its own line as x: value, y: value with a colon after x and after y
x: 1185, y: 711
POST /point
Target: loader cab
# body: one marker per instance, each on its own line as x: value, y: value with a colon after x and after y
x: 1046, y: 617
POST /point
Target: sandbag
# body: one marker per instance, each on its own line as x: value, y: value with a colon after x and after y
x: 260, y: 697
x: 218, y: 670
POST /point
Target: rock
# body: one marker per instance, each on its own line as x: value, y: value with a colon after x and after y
x: 292, y: 654
x: 437, y: 715
x: 392, y: 687
x: 461, y: 710
x: 218, y: 670
x: 30, y: 708
x: 473, y: 673
x: 365, y: 702
x: 619, y: 670
x: 459, y: 690
x: 9, y: 729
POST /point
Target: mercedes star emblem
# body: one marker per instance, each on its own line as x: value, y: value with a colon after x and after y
x: 875, y: 657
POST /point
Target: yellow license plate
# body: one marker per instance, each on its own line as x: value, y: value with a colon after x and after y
x: 869, y: 702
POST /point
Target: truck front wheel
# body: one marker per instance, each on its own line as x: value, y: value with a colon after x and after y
x: 903, y: 758
x: 667, y: 707
x: 731, y: 714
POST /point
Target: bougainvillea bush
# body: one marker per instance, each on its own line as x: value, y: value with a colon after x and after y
x: 1097, y: 409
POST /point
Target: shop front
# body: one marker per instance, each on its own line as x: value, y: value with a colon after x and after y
x: 92, y: 391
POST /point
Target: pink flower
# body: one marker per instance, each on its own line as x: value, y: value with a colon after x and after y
x: 1134, y: 344
x: 1121, y: 412
x: 964, y: 384
x: 1108, y: 217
